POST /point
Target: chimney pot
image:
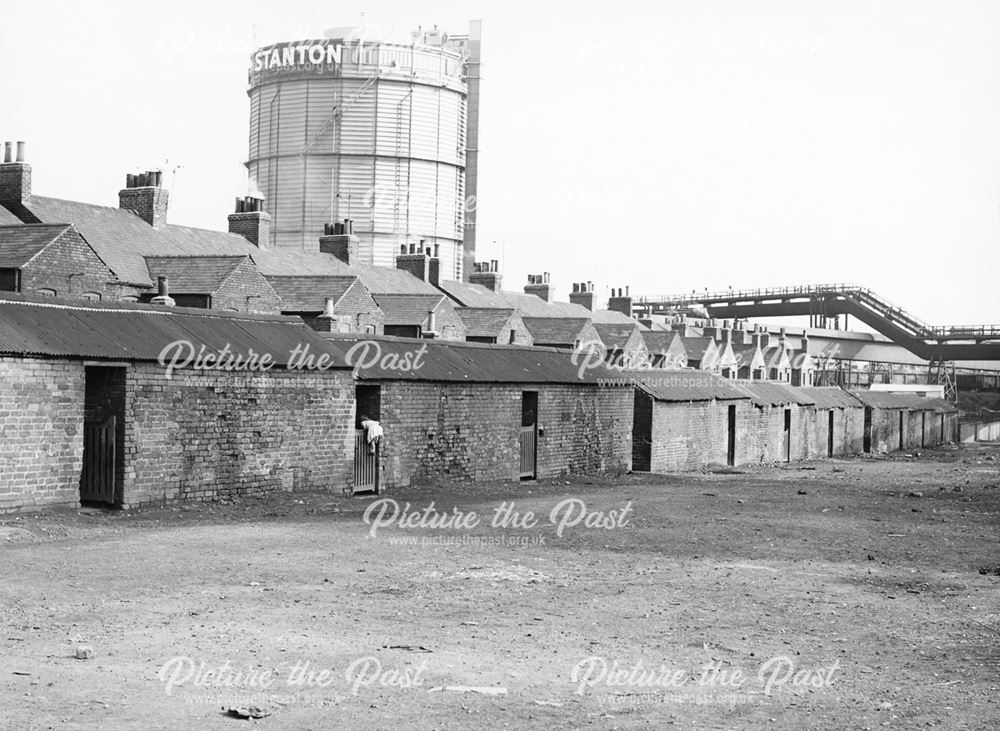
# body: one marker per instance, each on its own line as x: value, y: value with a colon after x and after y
x: 20, y: 151
x: 162, y: 286
x: 8, y: 152
x: 436, y: 249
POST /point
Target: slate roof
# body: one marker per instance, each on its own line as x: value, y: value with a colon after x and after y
x: 309, y: 294
x: 686, y: 385
x: 386, y: 280
x: 21, y: 243
x: 697, y: 347
x: 615, y: 335
x: 484, y: 322
x: 473, y: 295
x: 7, y: 218
x: 463, y: 362
x: 613, y: 316
x: 45, y: 326
x: 191, y: 274
x: 529, y: 305
x: 407, y: 309
x: 659, y: 341
x: 556, y: 330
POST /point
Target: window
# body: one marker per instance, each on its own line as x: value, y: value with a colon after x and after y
x: 92, y: 296
x: 46, y: 292
x: 10, y: 280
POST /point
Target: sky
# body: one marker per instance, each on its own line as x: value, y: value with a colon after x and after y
x: 665, y: 146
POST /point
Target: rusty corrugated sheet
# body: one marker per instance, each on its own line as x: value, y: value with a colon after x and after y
x: 830, y: 397
x: 777, y: 394
x: 909, y: 401
x: 686, y: 385
x: 55, y: 328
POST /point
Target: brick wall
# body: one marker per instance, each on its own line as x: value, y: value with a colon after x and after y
x: 449, y: 325
x: 885, y: 430
x: 584, y: 430
x: 689, y: 435
x: 148, y: 203
x: 470, y: 432
x: 363, y: 312
x: 206, y: 435
x: 245, y: 282
x: 41, y: 433
x: 70, y: 267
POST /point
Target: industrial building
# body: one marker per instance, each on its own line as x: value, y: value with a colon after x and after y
x: 377, y: 132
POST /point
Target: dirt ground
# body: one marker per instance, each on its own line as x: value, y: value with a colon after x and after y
x: 856, y: 594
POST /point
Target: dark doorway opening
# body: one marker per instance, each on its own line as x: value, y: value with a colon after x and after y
x: 902, y: 430
x: 368, y: 403
x: 829, y: 437
x: 923, y: 428
x: 787, y: 436
x: 102, y: 479
x: 642, y: 432
x: 868, y: 430
x: 529, y: 435
x: 731, y: 436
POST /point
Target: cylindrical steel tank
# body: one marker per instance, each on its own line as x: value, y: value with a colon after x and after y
x: 373, y: 131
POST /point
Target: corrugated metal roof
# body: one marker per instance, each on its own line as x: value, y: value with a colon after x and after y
x: 193, y: 274
x: 484, y: 322
x: 776, y: 394
x: 407, y: 309
x: 473, y: 295
x: 830, y: 397
x: 309, y: 294
x: 19, y: 244
x: 119, y: 331
x: 687, y: 385
x: 454, y: 361
x: 909, y: 401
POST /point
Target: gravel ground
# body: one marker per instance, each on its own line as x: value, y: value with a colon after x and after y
x: 854, y: 593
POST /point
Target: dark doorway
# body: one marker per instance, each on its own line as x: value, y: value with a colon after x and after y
x: 102, y: 479
x: 829, y: 437
x: 731, y: 436
x: 368, y: 403
x: 529, y: 435
x: 923, y: 428
x: 642, y: 432
x: 902, y: 430
x: 941, y: 441
x: 787, y: 436
x: 868, y: 430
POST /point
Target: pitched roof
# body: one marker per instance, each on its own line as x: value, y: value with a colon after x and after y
x: 697, y: 347
x: 473, y: 295
x: 529, y: 305
x: 44, y: 326
x: 21, y: 243
x: 557, y: 330
x: 613, y: 316
x: 830, y: 397
x: 8, y: 219
x: 193, y: 274
x: 484, y: 322
x: 616, y: 335
x: 686, y: 385
x: 407, y: 309
x: 387, y: 280
x: 463, y: 362
x: 909, y: 401
x: 660, y: 341
x: 776, y: 394
x: 309, y: 294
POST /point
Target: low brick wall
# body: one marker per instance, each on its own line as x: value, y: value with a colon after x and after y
x: 41, y: 433
x: 207, y: 435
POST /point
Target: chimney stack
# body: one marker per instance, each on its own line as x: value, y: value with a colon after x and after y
x: 417, y: 262
x: 487, y: 273
x: 539, y: 285
x: 251, y: 221
x: 620, y: 302
x: 583, y: 295
x: 162, y: 297
x: 338, y: 240
x: 15, y: 177
x: 145, y: 198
